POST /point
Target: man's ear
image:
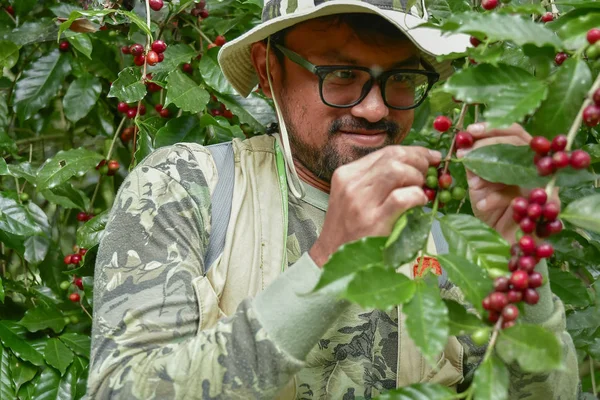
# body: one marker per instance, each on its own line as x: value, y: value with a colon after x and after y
x: 258, y: 54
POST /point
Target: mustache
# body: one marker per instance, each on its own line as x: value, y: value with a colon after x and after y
x: 391, y: 128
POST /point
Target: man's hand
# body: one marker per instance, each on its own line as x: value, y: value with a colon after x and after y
x: 368, y: 195
x: 492, y: 201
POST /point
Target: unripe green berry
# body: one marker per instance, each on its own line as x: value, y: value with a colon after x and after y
x: 458, y: 193
x: 64, y: 285
x: 103, y: 170
x: 432, y: 171
x: 24, y: 197
x: 481, y: 336
x: 74, y: 319
x: 445, y: 196
x: 431, y: 182
x: 593, y: 51
x: 67, y: 320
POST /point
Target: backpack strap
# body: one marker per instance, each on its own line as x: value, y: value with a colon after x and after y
x: 221, y: 201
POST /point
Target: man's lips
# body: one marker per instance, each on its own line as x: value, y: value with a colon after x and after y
x: 368, y: 133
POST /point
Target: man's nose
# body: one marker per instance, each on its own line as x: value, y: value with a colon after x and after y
x: 372, y: 108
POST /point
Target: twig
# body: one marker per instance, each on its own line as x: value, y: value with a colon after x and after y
x: 85, y: 311
x: 200, y: 32
x: 457, y: 128
x: 38, y: 139
x: 117, y: 133
x: 593, y: 376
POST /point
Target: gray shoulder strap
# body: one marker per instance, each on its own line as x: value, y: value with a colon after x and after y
x: 221, y: 201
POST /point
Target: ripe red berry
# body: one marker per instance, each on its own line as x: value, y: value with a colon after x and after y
x: 164, y: 113
x: 10, y: 10
x: 211, y: 46
x: 139, y: 60
x: 131, y: 113
x: 82, y: 250
x: 136, y: 49
x: 430, y: 193
x: 204, y: 14
x: 527, y: 225
x: 560, y: 58
x: 142, y: 109
x: 74, y: 297
x: 519, y: 280
x: 508, y: 324
x: 486, y: 304
x: 559, y: 143
x: 152, y: 57
x: 125, y: 50
x: 187, y: 68
x: 501, y: 284
x: 538, y: 196
x: 64, y: 46
x: 442, y: 123
x: 201, y: 4
x: 551, y: 210
x: 519, y: 205
x: 122, y: 107
x: 82, y: 216
x: 159, y: 46
x: 153, y: 87
x: 560, y: 159
x: 67, y: 260
x: 161, y: 57
x: 158, y: 107
x: 513, y: 264
x: 534, y: 211
x: 596, y: 97
x: 100, y: 164
x: 113, y: 166
x: 464, y: 140
x: 535, y: 280
x: 220, y: 40
x: 593, y: 35
x: 548, y: 17
x: 156, y: 5
x: 78, y: 282
x: 544, y: 250
x: 498, y: 301
x: 445, y: 181
x: 543, y: 230
x: 75, y: 258
x: 526, y: 243
x: 489, y: 4
x: 474, y: 41
x: 510, y: 313
x: 514, y: 296
x: 527, y: 263
x: 555, y: 226
x: 580, y: 159
x: 545, y: 166
x: 515, y: 250
x: 591, y: 115
x: 531, y: 296
x: 228, y: 114
x: 540, y: 145
x: 493, y: 316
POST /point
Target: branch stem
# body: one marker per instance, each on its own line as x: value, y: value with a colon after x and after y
x: 457, y: 128
x: 593, y: 376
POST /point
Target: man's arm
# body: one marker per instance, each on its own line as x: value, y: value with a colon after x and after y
x: 146, y: 341
x: 550, y: 314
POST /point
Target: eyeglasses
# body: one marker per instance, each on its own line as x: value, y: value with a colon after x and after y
x: 344, y: 86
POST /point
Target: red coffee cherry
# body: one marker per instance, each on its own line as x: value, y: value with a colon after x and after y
x: 464, y: 140
x: 534, y: 211
x: 540, y: 145
x: 548, y: 17
x: 560, y: 159
x: 508, y: 324
x: 139, y: 60
x: 445, y: 181
x: 489, y: 4
x: 474, y: 41
x: 515, y: 296
x: 519, y: 205
x: 527, y: 244
x: 187, y: 68
x: 593, y: 35
x: 486, y: 304
x: 131, y: 113
x: 442, y: 123
x: 64, y: 46
x: 559, y: 143
x: 156, y: 5
x: 136, y: 49
x: 555, y: 226
x: 164, y: 113
x: 152, y: 57
x: 125, y: 50
x: 220, y: 40
x: 535, y: 280
x: 591, y: 115
x: 527, y: 225
x: 204, y: 14
x: 501, y: 284
x: 545, y: 166
x: 493, y: 316
x: 538, y: 196
x: 531, y: 296
x: 510, y: 313
x: 519, y: 280
x: 544, y: 250
x: 159, y: 46
x: 596, y: 97
x: 527, y: 263
x: 498, y: 301
x: 67, y: 259
x: 560, y: 58
x: 551, y: 211
x: 74, y: 297
x: 513, y: 264
x: 75, y: 258
x: 580, y: 159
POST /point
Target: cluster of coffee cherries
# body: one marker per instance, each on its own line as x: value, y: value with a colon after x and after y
x: 153, y: 57
x: 75, y: 283
x: 128, y: 133
x: 217, y: 108
x: 551, y: 156
x: 200, y: 10
x: 83, y: 216
x: 73, y: 260
x: 591, y: 114
x: 436, y: 180
x: 131, y: 111
x: 108, y: 168
x: 464, y: 139
x: 593, y: 38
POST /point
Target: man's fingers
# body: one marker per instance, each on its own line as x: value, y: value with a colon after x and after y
x: 402, y: 199
x: 487, y: 141
x: 481, y: 130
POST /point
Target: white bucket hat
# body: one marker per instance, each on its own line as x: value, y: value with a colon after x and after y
x: 235, y: 61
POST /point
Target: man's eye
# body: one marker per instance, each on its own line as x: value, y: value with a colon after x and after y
x: 344, y: 74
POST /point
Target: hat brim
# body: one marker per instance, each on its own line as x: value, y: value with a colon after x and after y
x: 234, y: 56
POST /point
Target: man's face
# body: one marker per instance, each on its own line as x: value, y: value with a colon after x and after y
x: 323, y: 137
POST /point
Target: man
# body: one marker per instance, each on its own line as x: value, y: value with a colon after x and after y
x: 164, y: 328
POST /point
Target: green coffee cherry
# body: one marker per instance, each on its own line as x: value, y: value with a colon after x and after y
x: 64, y: 285
x: 431, y: 182
x: 593, y: 52
x: 445, y: 196
x: 481, y: 336
x: 458, y: 193
x: 24, y: 197
x: 67, y: 320
x: 432, y: 171
x: 74, y: 319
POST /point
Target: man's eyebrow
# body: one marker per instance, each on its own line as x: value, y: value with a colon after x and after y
x: 340, y: 58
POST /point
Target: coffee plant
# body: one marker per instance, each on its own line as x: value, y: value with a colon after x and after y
x: 89, y: 88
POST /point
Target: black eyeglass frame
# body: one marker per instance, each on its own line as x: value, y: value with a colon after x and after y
x: 381, y: 78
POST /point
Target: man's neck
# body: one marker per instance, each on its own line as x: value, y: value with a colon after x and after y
x: 309, y: 178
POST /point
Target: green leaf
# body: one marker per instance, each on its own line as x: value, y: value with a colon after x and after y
x: 583, y: 323
x: 9, y: 54
x: 408, y: 237
x: 1, y: 291
x: 128, y: 87
x: 472, y: 279
x: 510, y: 92
x: 7, y: 391
x: 216, y: 130
x: 46, y: 387
x: 83, y: 13
x: 21, y: 372
x: 491, y: 380
x: 460, y: 321
x: 573, y: 248
x: 80, y: 344
x: 40, y: 83
x: 67, y: 196
x: 24, y: 170
x: 381, y: 288
x: 176, y: 130
x: 572, y: 27
x: 36, y: 248
x: 569, y: 288
x: 3, y: 117
x: 472, y: 239
x: 15, y: 218
x: 175, y: 55
x: 212, y: 74
x: 64, y: 165
x: 495, y: 27
x: 185, y: 93
x: 42, y: 317
x: 90, y: 233
x: 566, y: 93
x: 533, y: 347
x: 81, y: 97
x: 442, y: 9
x: 427, y: 320
x: 42, y: 30
x: 68, y: 384
x: 253, y: 110
x: 88, y: 286
x: 20, y: 347
x: 82, y: 43
x: 350, y: 258
x: 140, y: 23
x: 419, y: 391
x: 58, y: 355
x: 144, y: 144
x: 513, y: 165
x: 584, y: 213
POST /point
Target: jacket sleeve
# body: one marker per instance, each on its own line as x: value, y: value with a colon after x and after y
x: 562, y: 384
x: 146, y: 341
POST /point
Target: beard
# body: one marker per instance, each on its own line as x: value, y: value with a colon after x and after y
x: 322, y: 162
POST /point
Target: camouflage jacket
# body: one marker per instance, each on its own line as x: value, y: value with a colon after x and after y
x: 147, y: 342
